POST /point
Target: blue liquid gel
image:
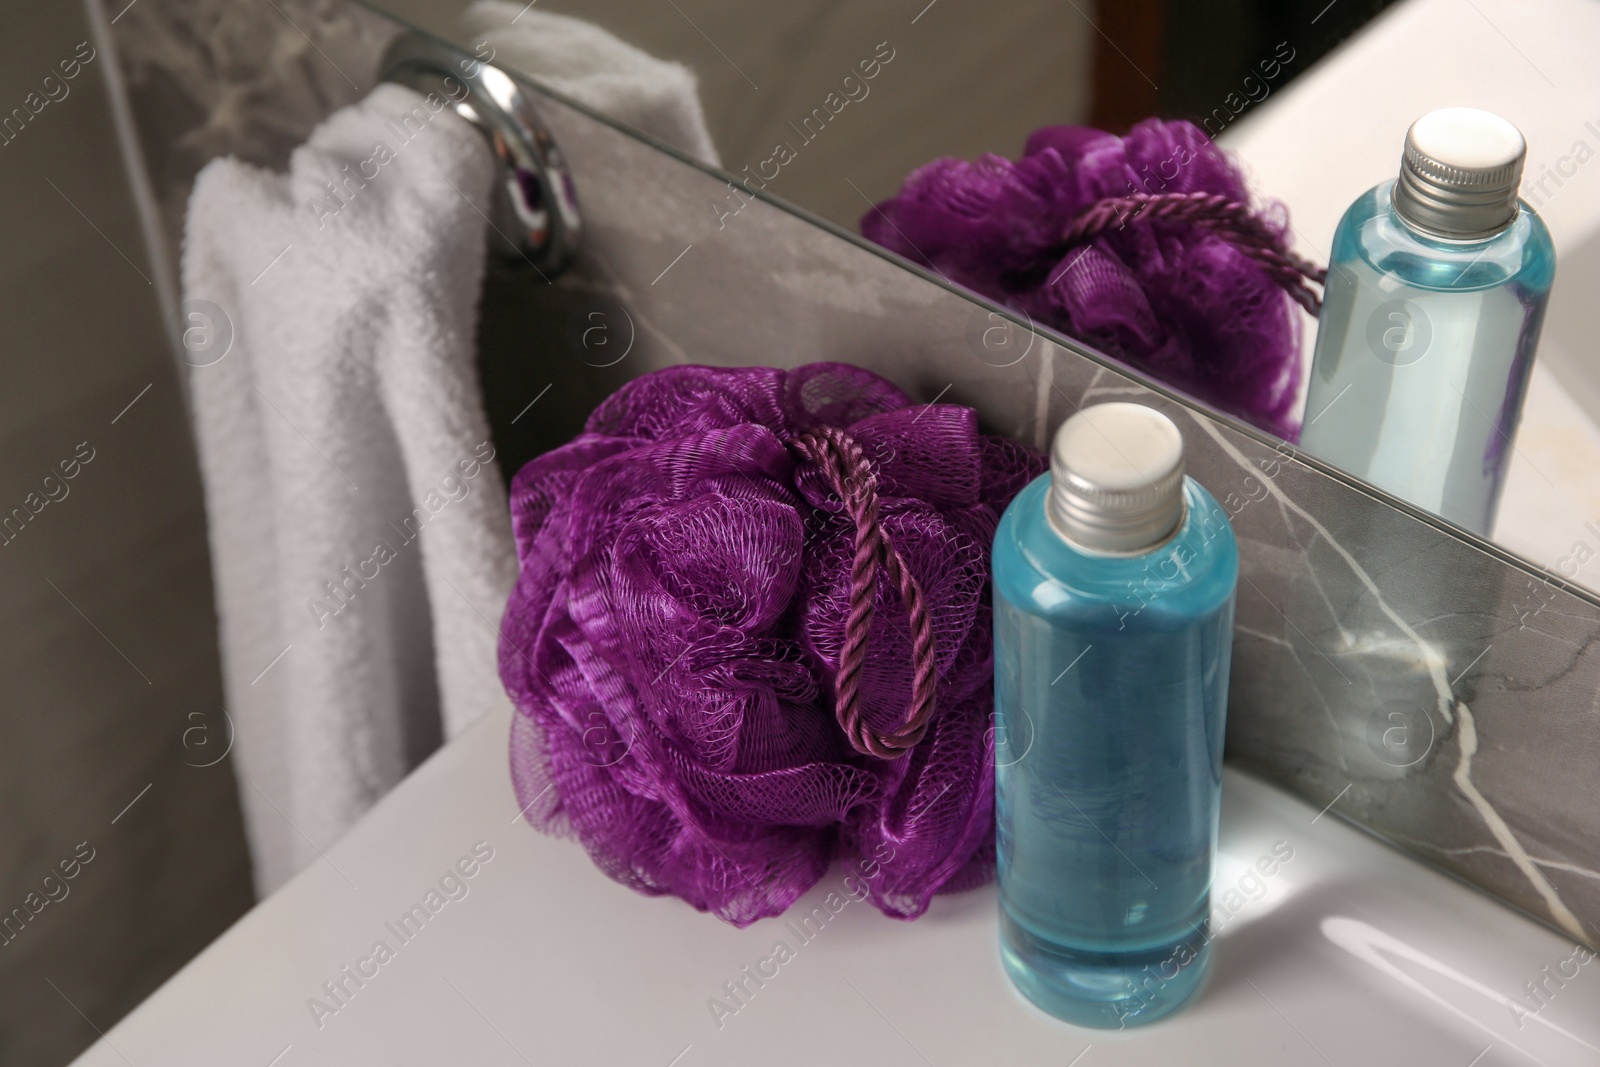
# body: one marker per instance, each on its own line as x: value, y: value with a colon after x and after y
x: 1111, y: 677
x: 1423, y: 357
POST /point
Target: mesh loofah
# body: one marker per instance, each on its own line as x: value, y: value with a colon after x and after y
x: 675, y: 639
x: 1130, y: 245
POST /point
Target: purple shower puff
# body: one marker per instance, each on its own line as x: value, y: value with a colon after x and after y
x: 1175, y: 301
x: 672, y: 639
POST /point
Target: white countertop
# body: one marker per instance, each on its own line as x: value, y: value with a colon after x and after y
x: 1350, y: 953
x: 1336, y: 132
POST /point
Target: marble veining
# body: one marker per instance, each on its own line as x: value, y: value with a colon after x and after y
x: 1452, y: 710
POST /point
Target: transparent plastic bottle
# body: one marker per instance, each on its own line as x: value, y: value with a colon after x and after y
x: 1114, y: 581
x: 1435, y: 296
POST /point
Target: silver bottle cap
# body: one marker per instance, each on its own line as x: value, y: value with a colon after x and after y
x: 1459, y: 174
x: 1116, y: 478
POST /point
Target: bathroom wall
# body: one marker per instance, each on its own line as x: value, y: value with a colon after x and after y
x: 110, y: 698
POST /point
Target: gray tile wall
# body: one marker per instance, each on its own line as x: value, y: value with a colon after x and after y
x: 108, y: 664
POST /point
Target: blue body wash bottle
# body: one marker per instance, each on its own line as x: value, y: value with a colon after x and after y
x: 1114, y: 578
x: 1436, y: 293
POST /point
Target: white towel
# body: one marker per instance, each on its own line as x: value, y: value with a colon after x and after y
x: 360, y: 537
x: 594, y: 68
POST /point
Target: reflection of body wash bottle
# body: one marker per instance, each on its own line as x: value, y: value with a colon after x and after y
x: 1114, y: 581
x: 1435, y: 295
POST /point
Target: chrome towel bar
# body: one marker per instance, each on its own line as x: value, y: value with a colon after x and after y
x: 534, y: 210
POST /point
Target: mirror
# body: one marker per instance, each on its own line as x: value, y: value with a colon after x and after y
x: 830, y: 108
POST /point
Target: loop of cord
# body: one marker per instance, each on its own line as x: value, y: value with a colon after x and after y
x: 842, y: 462
x: 1229, y: 219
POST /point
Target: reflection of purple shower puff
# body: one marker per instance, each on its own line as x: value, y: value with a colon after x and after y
x: 1175, y: 301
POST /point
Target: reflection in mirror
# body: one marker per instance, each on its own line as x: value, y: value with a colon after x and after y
x: 1469, y: 333
x: 1426, y: 377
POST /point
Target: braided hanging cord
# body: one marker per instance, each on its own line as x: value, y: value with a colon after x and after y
x: 840, y: 459
x: 1229, y: 219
